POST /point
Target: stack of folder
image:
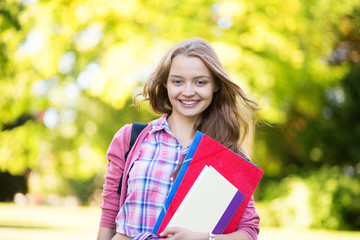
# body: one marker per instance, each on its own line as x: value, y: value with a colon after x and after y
x: 211, y: 191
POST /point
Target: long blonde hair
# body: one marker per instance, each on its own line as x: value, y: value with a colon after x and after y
x: 227, y: 118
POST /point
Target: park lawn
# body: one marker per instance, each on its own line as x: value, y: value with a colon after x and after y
x: 80, y: 223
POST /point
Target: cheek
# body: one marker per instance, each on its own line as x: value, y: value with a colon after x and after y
x: 171, y: 95
x: 208, y: 93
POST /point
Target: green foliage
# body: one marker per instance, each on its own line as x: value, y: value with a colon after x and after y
x: 82, y: 188
x: 339, y: 196
x: 327, y: 199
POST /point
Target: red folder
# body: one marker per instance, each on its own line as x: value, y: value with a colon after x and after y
x: 243, y: 174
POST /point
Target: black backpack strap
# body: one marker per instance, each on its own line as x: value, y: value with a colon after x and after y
x: 136, y: 129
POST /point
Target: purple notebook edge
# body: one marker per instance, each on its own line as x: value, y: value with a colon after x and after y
x: 229, y: 213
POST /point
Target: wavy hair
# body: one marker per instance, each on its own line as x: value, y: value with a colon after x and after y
x: 228, y: 117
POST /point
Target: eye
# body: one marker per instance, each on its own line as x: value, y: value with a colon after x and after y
x: 201, y: 82
x: 177, y: 81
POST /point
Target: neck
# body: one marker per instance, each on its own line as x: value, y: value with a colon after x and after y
x: 183, y: 129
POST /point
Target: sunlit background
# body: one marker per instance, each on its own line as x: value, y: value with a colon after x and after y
x: 69, y: 68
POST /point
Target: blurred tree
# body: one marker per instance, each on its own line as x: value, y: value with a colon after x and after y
x: 329, y: 136
x: 323, y: 146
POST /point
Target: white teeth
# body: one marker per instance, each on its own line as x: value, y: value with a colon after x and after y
x: 189, y: 102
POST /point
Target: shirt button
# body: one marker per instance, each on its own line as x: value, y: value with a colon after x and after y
x: 176, y: 162
x: 178, y: 148
x: 171, y: 179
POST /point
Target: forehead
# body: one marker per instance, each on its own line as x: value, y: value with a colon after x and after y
x: 182, y: 64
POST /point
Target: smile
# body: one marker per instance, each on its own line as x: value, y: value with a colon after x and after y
x: 189, y: 102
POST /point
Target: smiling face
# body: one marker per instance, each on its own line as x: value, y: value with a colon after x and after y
x: 190, y: 87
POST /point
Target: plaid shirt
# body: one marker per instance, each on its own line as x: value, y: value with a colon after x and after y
x: 150, y: 180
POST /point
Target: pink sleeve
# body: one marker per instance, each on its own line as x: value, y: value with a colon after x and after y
x: 115, y: 155
x: 249, y: 223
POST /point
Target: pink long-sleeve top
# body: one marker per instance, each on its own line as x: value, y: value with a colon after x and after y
x: 112, y: 201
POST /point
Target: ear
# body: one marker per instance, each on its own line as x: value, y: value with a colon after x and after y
x: 216, y: 83
x: 216, y: 87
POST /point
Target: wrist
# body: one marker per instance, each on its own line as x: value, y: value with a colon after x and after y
x: 202, y: 236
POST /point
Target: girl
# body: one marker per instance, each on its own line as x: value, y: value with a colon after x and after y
x: 192, y: 91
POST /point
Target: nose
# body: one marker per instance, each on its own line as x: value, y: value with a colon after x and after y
x: 188, y: 90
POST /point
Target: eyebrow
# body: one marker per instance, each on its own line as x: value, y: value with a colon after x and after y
x: 201, y: 76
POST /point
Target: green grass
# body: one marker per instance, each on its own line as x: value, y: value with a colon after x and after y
x: 52, y: 223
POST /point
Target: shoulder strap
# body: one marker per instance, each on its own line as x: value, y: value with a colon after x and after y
x: 136, y: 129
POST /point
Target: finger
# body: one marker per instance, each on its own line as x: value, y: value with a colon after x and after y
x: 169, y: 231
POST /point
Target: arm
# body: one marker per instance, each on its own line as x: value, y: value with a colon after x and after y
x: 111, y: 199
x: 250, y: 221
x: 105, y: 233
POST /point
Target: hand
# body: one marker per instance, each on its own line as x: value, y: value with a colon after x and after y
x: 177, y: 233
